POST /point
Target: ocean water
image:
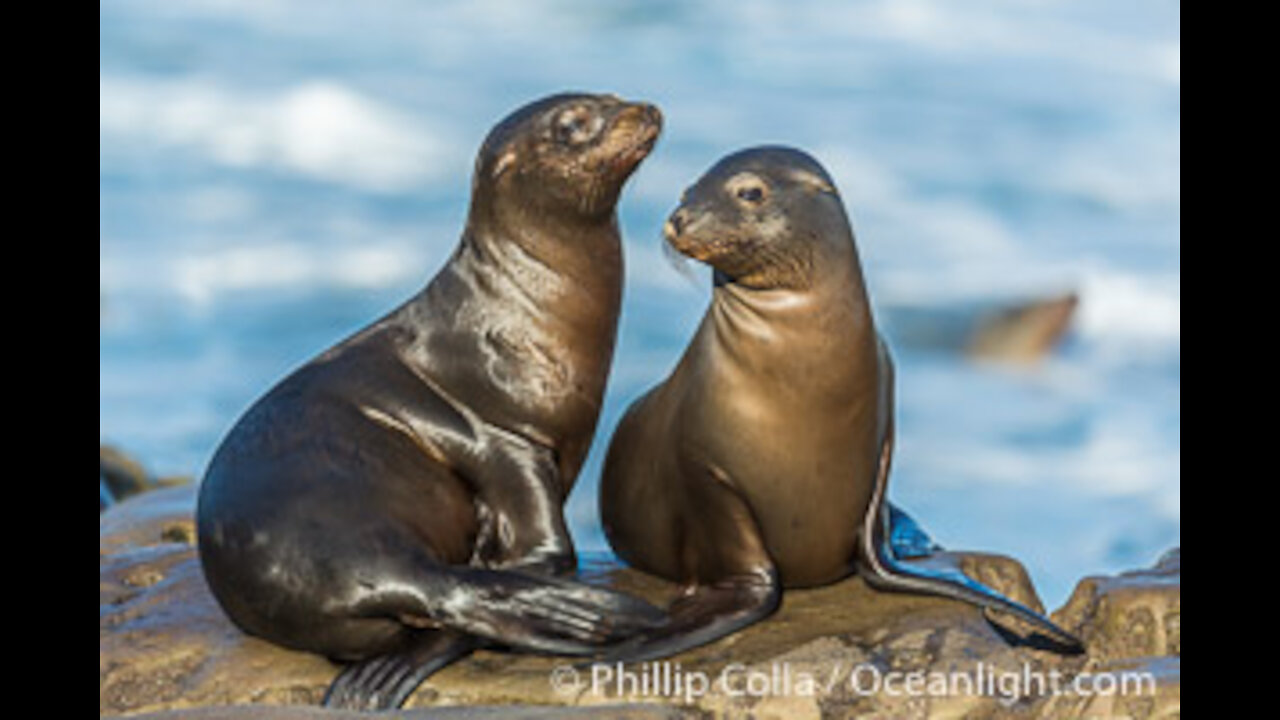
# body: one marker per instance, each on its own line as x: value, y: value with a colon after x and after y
x: 274, y: 175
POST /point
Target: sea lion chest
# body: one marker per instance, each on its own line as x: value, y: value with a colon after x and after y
x: 525, y: 348
x: 786, y: 408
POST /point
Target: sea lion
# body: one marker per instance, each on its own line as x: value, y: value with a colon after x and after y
x: 761, y: 462
x: 1022, y: 333
x: 397, y: 501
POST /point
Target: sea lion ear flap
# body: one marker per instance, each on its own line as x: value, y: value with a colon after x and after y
x: 813, y: 182
x: 503, y: 163
x: 488, y: 171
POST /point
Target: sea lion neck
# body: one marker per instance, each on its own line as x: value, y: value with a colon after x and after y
x: 765, y: 303
x: 826, y: 282
x: 584, y: 250
x: 766, y: 328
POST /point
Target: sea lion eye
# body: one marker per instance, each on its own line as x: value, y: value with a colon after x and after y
x: 747, y: 188
x: 577, y: 126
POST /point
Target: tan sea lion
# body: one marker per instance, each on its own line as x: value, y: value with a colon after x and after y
x: 397, y: 501
x: 762, y: 461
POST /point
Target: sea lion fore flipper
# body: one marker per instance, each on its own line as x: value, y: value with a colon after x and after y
x: 704, y: 614
x: 539, y: 613
x: 884, y: 571
x: 386, y: 681
x: 530, y: 612
x: 518, y: 486
x: 748, y: 590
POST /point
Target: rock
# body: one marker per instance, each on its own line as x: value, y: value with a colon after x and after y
x: 163, y: 641
x: 1134, y: 614
x: 121, y: 476
x: 634, y: 711
x: 1142, y: 689
x: 1131, y: 625
x: 166, y: 648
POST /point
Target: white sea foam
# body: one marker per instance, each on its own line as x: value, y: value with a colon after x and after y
x: 319, y: 129
x: 201, y: 277
x: 1144, y: 309
x: 997, y: 28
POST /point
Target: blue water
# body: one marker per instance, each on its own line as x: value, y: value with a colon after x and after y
x: 273, y: 176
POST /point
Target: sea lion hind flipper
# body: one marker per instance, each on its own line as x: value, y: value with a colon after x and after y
x: 703, y: 615
x: 746, y: 587
x: 888, y: 573
x: 906, y: 538
x: 384, y: 682
x: 884, y: 571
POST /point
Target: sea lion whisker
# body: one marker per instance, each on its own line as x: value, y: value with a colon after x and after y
x: 678, y: 261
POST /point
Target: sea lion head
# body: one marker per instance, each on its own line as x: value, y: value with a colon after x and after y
x: 566, y: 155
x: 764, y: 217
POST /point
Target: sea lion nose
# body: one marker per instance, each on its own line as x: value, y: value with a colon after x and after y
x: 651, y: 113
x: 675, y: 224
x: 642, y: 115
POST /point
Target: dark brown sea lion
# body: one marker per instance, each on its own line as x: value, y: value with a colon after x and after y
x: 397, y: 501
x: 762, y: 461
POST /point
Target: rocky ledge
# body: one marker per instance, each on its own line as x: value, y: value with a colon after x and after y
x: 167, y: 651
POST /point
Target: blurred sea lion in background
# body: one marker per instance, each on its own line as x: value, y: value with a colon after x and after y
x: 1022, y: 333
x: 1012, y: 332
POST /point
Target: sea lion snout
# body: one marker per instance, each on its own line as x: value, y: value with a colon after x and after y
x: 680, y: 233
x: 643, y: 114
x: 635, y: 128
x: 675, y: 224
